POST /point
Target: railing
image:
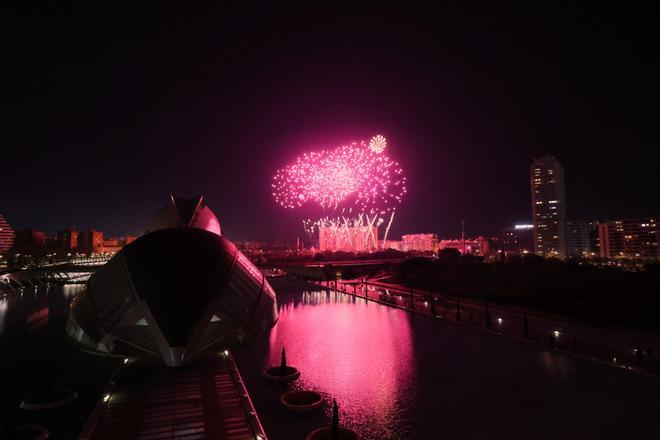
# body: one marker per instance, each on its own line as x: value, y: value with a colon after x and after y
x: 80, y: 260
x: 248, y: 407
x: 624, y: 348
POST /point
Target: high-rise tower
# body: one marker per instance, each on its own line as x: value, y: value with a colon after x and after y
x: 548, y: 207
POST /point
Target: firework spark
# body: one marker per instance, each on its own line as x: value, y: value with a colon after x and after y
x: 378, y: 143
x: 351, y: 175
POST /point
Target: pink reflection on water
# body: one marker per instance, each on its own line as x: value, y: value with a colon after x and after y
x: 361, y: 354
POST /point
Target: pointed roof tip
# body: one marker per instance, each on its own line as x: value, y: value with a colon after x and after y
x: 187, y: 207
x: 183, y: 212
x: 174, y: 197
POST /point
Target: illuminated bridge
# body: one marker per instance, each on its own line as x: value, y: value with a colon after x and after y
x: 325, y: 270
x: 72, y: 270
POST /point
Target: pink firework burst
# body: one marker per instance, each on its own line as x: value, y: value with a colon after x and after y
x: 350, y: 175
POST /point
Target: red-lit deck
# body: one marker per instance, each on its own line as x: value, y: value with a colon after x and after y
x: 205, y: 400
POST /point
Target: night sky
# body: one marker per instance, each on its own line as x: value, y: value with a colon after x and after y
x: 108, y: 110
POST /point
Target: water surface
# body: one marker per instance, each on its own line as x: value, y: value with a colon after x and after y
x: 399, y: 375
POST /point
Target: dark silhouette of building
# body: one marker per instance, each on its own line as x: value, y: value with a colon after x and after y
x: 582, y: 238
x: 548, y: 207
x: 67, y: 241
x: 90, y: 242
x: 30, y: 241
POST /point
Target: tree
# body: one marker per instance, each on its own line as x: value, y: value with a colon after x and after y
x: 449, y: 255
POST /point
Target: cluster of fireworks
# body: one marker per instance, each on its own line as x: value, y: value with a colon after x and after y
x: 352, y: 232
x: 357, y: 184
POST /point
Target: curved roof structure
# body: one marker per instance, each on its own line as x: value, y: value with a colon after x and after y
x: 173, y: 293
x: 181, y: 212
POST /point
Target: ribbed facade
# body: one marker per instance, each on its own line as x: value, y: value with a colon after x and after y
x: 6, y: 236
x: 175, y: 292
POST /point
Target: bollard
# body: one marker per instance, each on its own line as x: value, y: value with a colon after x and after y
x: 458, y: 311
x: 283, y: 363
x: 334, y: 434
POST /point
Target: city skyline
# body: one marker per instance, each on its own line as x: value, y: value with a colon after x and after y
x: 578, y: 234
x: 266, y: 222
x: 464, y: 130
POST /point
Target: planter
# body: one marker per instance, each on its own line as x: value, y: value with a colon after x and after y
x: 326, y: 433
x: 276, y: 374
x: 302, y: 401
x: 59, y: 397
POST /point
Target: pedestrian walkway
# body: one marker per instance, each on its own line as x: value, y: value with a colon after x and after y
x: 623, y: 348
x: 206, y: 400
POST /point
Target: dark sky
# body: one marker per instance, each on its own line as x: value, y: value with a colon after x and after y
x: 108, y: 110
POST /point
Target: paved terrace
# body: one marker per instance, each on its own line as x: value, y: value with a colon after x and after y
x: 206, y: 400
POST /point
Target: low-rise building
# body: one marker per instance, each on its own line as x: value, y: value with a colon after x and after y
x: 112, y: 245
x: 419, y: 243
x: 30, y: 241
x: 581, y: 238
x: 629, y: 238
x: 67, y: 241
x: 6, y: 236
x: 90, y: 242
x: 471, y: 246
x: 518, y: 239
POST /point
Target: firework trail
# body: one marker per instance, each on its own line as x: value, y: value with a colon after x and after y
x: 358, y: 175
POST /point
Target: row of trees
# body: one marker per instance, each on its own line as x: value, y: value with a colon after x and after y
x: 570, y: 288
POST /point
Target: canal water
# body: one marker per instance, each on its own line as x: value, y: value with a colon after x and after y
x: 32, y: 343
x: 397, y: 375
